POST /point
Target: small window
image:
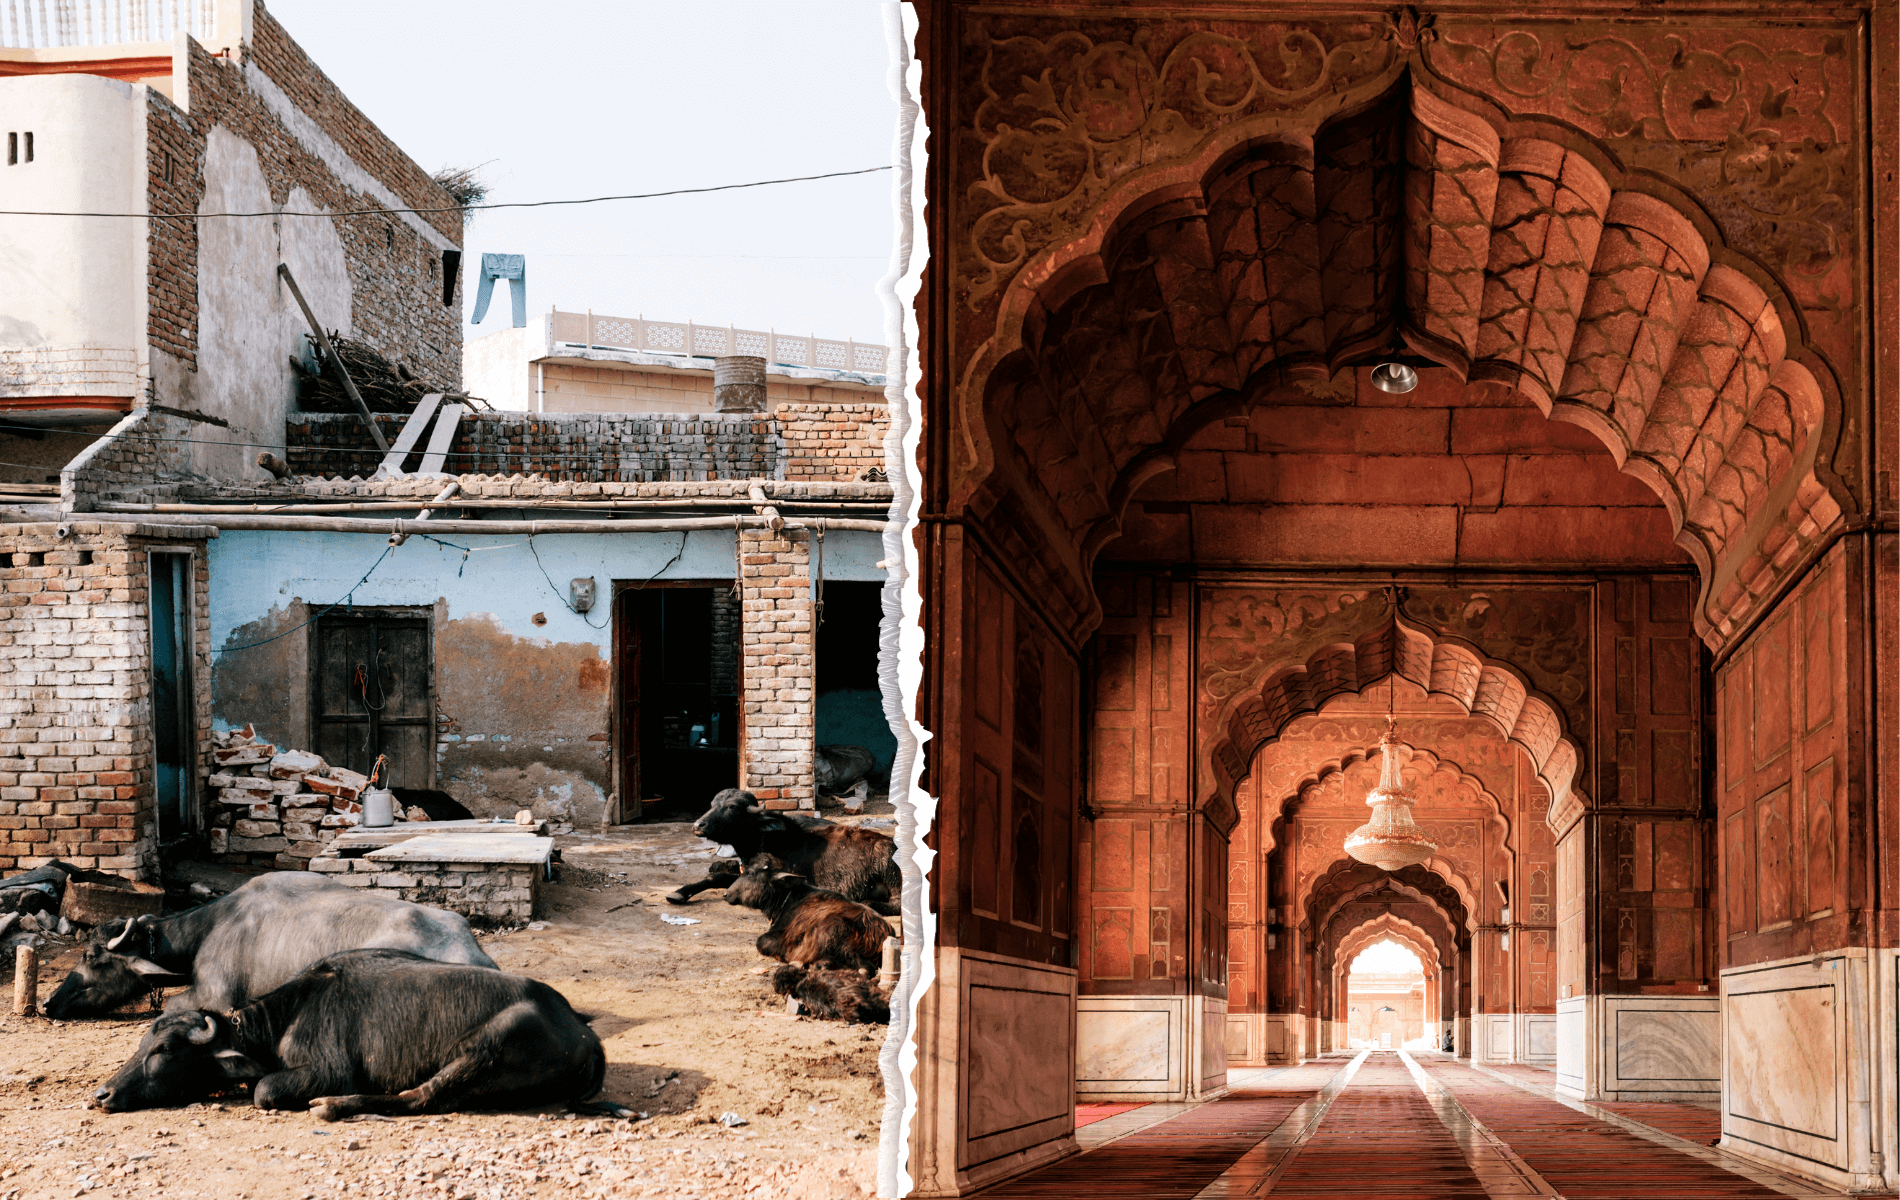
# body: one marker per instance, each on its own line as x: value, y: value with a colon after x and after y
x: 389, y: 235
x: 13, y: 149
x: 29, y: 146
x: 166, y: 167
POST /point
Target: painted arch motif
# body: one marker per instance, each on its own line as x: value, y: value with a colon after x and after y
x: 1388, y: 219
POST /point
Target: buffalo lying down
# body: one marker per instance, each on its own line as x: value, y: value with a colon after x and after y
x: 244, y: 944
x: 858, y: 864
x: 810, y: 926
x: 375, y: 1031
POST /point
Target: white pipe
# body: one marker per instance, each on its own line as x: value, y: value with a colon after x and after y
x: 531, y: 528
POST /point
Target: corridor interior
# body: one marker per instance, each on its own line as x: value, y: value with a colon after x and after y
x: 1386, y: 1124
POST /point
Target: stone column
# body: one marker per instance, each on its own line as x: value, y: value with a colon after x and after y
x: 739, y: 384
x: 778, y: 648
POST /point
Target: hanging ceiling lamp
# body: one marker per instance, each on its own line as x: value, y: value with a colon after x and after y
x: 1389, y: 840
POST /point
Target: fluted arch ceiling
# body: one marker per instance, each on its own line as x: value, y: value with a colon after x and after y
x: 1409, y: 223
x: 1440, y: 665
x: 1436, y: 885
x: 1420, y: 766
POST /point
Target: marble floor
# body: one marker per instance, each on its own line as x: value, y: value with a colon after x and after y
x: 1392, y: 1125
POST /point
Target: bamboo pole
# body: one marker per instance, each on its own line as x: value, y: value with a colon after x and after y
x: 313, y: 505
x: 531, y: 528
x: 330, y: 357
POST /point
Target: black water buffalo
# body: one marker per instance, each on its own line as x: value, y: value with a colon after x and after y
x: 833, y: 994
x: 811, y: 926
x: 839, y: 769
x: 375, y: 1031
x: 244, y: 944
x: 858, y: 864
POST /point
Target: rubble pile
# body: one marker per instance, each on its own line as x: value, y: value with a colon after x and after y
x: 278, y: 808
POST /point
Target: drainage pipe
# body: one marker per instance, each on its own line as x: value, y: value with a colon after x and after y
x: 312, y: 505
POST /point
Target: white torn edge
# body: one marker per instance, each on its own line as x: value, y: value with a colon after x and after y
x: 900, y: 638
x: 347, y: 170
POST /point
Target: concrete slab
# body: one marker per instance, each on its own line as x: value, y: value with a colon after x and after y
x: 487, y: 849
x: 401, y: 831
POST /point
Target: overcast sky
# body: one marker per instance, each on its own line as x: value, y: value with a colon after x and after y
x: 584, y: 98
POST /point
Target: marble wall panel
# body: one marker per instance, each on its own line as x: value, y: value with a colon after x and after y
x: 1540, y: 1038
x: 1790, y: 1055
x: 1661, y: 1047
x: 1131, y: 1046
x: 1212, y: 1057
x: 1573, y: 1047
x: 1018, y: 1032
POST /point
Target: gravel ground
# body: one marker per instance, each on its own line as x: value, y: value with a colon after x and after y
x: 692, y: 1032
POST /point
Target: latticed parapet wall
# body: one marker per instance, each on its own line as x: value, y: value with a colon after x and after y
x: 76, y: 734
x: 779, y: 643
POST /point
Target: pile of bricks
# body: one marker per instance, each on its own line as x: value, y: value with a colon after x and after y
x: 277, y: 808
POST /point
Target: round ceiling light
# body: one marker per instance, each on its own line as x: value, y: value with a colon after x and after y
x: 1394, y: 377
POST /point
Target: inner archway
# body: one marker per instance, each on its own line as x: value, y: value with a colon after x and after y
x: 1385, y: 994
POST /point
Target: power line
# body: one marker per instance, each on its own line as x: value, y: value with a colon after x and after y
x: 384, y: 212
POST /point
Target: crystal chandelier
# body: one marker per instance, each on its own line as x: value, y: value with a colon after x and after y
x: 1389, y: 840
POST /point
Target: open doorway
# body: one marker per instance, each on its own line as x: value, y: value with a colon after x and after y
x: 676, y: 651
x: 850, y: 706
x: 1385, y: 991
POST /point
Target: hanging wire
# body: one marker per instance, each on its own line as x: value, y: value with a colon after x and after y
x: 456, y: 208
x: 387, y: 550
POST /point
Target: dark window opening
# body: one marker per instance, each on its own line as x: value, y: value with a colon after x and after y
x: 167, y: 166
x: 389, y: 236
x: 677, y: 653
x: 372, y: 694
x: 850, y: 706
x: 29, y: 147
x: 13, y: 149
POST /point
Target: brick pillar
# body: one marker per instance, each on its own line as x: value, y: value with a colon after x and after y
x: 775, y: 750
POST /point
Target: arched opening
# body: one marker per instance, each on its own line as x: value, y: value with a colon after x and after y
x: 1387, y: 983
x: 1181, y: 541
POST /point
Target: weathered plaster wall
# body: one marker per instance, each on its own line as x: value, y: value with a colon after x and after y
x: 523, y: 710
x: 249, y: 325
x: 67, y: 317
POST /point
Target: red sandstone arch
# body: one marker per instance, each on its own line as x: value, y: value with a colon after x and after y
x: 1439, y: 664
x: 1466, y: 892
x: 1326, y: 768
x: 1286, y: 246
x: 1387, y: 927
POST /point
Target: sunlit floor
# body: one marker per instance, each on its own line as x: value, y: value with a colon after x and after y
x: 1403, y: 1125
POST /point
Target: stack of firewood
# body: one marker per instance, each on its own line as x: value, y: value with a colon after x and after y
x: 385, y: 386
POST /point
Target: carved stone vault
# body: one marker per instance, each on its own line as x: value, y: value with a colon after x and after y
x: 1164, y: 238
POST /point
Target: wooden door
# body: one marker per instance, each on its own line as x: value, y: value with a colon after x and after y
x: 373, y: 695
x: 627, y: 712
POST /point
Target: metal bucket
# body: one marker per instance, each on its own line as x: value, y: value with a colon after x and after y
x: 378, y: 808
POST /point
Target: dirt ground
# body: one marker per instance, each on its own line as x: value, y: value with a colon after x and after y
x: 692, y: 1032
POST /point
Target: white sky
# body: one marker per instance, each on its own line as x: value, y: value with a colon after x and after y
x: 586, y: 98
x: 1385, y: 958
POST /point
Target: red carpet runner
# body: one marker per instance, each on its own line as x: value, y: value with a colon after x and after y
x: 1582, y: 1157
x: 1169, y: 1161
x: 1380, y: 1140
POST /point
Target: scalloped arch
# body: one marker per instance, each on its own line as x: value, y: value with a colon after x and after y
x: 1438, y: 664
x: 1326, y: 768
x: 1326, y: 885
x: 1416, y: 938
x: 1283, y: 248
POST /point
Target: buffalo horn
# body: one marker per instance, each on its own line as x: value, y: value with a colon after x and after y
x: 123, y: 934
x: 199, y: 1037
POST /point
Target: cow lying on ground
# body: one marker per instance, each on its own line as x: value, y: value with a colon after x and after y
x: 375, y: 1031
x: 858, y: 864
x: 834, y: 995
x: 810, y: 926
x: 836, y: 770
x: 242, y: 945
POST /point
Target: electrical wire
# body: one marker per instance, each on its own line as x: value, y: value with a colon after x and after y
x: 455, y: 208
x: 294, y: 628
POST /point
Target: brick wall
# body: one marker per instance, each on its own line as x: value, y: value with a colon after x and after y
x: 76, y: 748
x: 485, y: 891
x: 139, y: 450
x: 591, y: 448
x: 70, y: 371
x: 777, y: 699
x: 726, y: 627
x: 824, y: 443
x: 832, y: 441
x: 395, y: 272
